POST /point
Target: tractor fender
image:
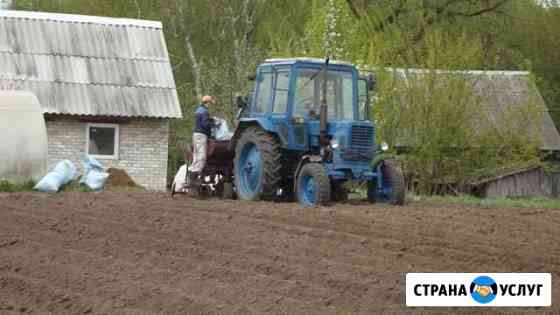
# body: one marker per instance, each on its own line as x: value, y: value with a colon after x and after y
x: 302, y: 161
x: 245, y: 123
x: 379, y: 158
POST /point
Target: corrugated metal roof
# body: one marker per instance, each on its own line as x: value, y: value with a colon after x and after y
x: 80, y: 18
x: 55, y: 68
x: 86, y: 65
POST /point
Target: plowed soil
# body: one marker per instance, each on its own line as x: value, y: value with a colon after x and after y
x: 144, y: 253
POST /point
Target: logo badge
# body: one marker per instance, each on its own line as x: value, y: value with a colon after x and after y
x: 483, y: 289
x: 479, y: 289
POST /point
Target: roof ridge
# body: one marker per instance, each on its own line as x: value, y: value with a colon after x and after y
x: 151, y: 59
x: 77, y: 18
x: 473, y: 72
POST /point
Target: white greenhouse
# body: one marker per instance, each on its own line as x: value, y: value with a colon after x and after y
x: 23, y: 137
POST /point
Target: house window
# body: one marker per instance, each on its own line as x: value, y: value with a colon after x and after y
x: 103, y: 140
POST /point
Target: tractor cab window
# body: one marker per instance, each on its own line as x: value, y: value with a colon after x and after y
x: 263, y: 92
x: 363, y: 102
x: 340, y: 94
x: 281, y: 90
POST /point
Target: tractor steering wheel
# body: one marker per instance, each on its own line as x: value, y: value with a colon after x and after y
x: 310, y: 107
x: 307, y: 102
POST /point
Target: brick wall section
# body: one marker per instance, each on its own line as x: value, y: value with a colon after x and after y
x: 143, y: 148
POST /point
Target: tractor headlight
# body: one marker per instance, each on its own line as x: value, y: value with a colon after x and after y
x: 384, y: 146
x: 335, y: 144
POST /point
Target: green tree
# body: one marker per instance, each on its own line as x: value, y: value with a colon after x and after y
x: 535, y: 38
x: 433, y: 110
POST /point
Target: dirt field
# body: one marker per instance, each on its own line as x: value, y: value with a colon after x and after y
x: 143, y: 253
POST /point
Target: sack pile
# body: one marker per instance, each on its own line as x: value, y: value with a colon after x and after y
x: 65, y: 172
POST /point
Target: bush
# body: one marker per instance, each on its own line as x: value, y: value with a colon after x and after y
x: 447, y: 119
x: 6, y: 186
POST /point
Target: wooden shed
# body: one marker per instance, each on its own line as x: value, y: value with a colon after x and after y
x: 497, y: 94
x: 529, y: 182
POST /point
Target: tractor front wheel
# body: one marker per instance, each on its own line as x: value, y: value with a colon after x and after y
x: 257, y: 165
x: 372, y: 191
x: 313, y: 185
x: 393, y: 187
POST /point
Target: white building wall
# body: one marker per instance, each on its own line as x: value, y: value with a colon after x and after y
x: 143, y: 148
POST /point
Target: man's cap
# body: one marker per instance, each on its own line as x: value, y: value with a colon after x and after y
x: 207, y: 99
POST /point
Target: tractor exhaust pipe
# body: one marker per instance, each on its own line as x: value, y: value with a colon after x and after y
x: 323, y: 139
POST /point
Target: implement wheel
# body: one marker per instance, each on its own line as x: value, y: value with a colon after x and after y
x: 339, y: 193
x: 313, y: 185
x: 227, y: 191
x: 257, y: 165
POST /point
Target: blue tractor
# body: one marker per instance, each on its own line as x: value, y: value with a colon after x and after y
x: 305, y: 131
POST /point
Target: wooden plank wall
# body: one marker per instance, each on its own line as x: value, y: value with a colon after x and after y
x: 552, y: 183
x: 532, y: 183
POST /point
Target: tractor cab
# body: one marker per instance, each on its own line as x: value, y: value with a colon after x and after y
x: 288, y: 94
x: 308, y: 114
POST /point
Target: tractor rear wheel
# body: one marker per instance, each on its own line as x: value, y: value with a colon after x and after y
x: 257, y: 165
x: 393, y: 188
x: 313, y: 185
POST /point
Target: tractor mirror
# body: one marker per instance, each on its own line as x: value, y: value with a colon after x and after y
x: 240, y: 101
x: 371, y: 82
